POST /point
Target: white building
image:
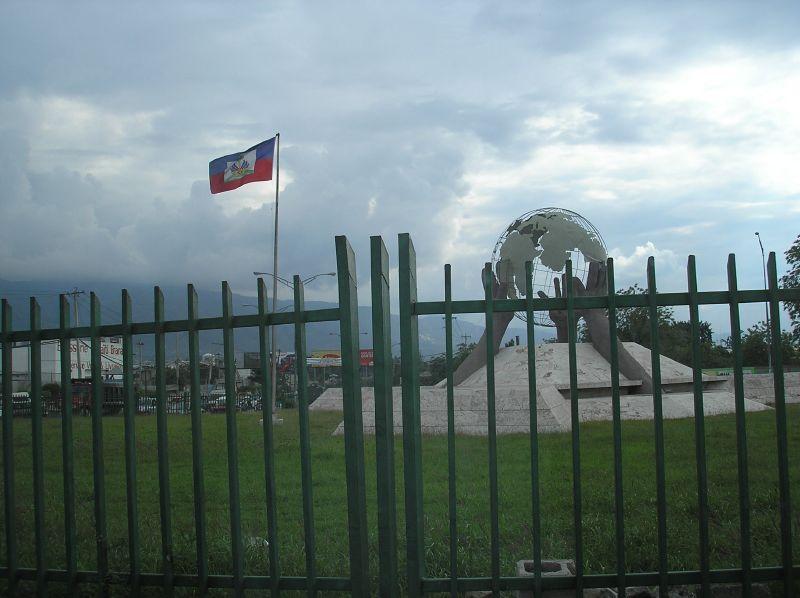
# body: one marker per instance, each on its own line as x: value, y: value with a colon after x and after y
x: 110, y: 359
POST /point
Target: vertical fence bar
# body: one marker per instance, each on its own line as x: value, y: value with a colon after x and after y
x: 305, y: 437
x: 741, y: 430
x: 98, y: 460
x: 353, y: 418
x: 37, y: 444
x: 494, y: 515
x: 196, y: 408
x: 780, y: 420
x: 699, y: 427
x: 619, y: 504
x: 534, y: 433
x: 451, y: 429
x: 384, y: 418
x: 661, y: 485
x: 9, y: 489
x: 412, y: 442
x: 237, y: 550
x: 67, y: 453
x: 161, y: 440
x: 129, y: 413
x: 577, y: 506
x: 269, y: 444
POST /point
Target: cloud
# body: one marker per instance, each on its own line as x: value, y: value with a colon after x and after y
x: 672, y: 128
x: 636, y: 262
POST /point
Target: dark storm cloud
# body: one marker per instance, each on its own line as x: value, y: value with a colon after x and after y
x: 655, y: 121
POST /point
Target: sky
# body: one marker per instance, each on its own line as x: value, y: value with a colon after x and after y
x: 673, y: 127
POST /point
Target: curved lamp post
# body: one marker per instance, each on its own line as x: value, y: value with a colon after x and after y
x: 288, y: 283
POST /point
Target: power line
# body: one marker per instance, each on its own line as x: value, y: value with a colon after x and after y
x: 110, y: 310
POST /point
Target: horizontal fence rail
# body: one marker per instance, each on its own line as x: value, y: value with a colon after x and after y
x: 386, y: 555
x: 52, y: 405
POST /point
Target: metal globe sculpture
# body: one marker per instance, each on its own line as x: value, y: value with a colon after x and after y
x: 547, y: 237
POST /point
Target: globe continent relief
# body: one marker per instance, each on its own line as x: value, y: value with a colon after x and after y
x: 546, y: 237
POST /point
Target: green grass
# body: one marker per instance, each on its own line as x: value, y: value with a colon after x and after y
x: 472, y: 482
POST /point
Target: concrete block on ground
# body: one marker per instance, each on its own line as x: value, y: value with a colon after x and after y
x: 718, y: 590
x: 556, y: 568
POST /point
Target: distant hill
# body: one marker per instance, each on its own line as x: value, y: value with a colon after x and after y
x: 319, y: 335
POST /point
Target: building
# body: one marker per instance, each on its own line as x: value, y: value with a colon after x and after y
x: 81, y: 362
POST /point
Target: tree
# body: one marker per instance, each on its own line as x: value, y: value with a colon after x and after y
x: 435, y: 368
x: 52, y: 388
x: 792, y: 280
x: 674, y: 336
x: 633, y: 323
x: 755, y: 346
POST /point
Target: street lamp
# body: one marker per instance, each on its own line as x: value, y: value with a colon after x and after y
x: 766, y: 305
x: 280, y: 279
x: 288, y: 283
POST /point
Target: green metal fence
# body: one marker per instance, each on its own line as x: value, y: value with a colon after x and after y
x: 135, y: 578
x: 387, y: 564
x: 410, y: 310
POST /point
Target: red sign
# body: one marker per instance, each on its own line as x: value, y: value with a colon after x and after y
x: 367, y: 357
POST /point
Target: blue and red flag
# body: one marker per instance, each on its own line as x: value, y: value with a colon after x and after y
x: 233, y: 171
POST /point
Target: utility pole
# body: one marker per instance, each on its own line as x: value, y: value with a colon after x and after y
x: 211, y: 366
x: 766, y: 305
x: 75, y: 314
x: 140, y: 344
x: 177, y: 364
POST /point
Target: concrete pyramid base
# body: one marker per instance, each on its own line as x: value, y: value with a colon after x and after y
x: 552, y: 394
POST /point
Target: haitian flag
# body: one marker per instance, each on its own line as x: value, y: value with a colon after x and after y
x: 233, y: 171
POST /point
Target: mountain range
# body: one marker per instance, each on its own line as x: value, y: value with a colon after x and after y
x: 319, y: 336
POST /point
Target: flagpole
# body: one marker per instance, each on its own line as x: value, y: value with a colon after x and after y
x: 274, y: 361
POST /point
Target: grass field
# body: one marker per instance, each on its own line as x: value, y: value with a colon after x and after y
x: 473, y: 504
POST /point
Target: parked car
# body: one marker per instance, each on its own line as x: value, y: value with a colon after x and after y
x: 22, y: 406
x: 146, y: 405
x: 214, y: 404
x: 82, y: 398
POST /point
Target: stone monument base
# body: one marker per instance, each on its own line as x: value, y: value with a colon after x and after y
x: 552, y: 394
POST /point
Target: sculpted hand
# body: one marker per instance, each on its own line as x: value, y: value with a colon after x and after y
x: 595, y: 285
x: 559, y: 316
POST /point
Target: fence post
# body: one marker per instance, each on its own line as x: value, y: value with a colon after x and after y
x: 451, y: 429
x: 8, y: 452
x: 494, y: 496
x: 534, y: 434
x: 161, y: 440
x: 266, y: 423
x: 619, y: 504
x: 98, y: 461
x: 197, y: 441
x: 577, y: 504
x: 129, y: 407
x: 305, y: 436
x: 231, y: 434
x: 412, y: 445
x: 741, y: 430
x: 37, y: 441
x: 384, y: 418
x: 658, y: 423
x: 699, y: 427
x: 67, y: 451
x: 780, y: 420
x: 353, y: 424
